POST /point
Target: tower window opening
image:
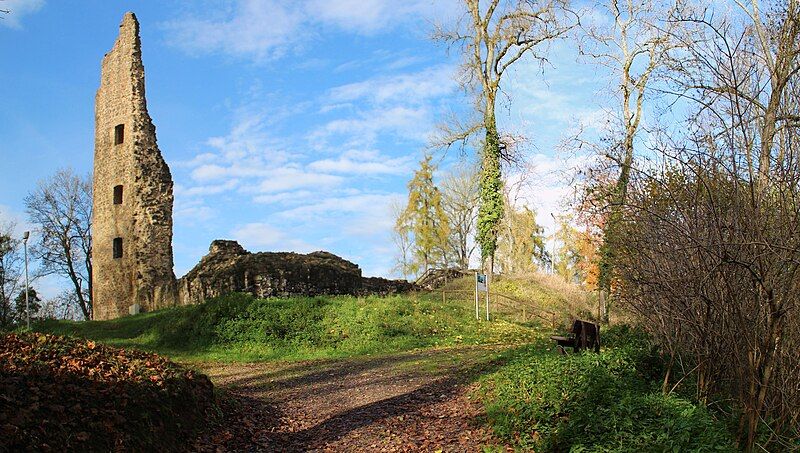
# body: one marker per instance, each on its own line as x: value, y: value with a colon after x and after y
x: 117, y: 248
x: 118, y: 194
x: 119, y: 134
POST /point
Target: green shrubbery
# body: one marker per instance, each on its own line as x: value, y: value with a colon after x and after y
x: 596, y: 402
x: 241, y: 327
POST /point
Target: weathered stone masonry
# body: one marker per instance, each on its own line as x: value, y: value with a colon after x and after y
x: 132, y: 216
x: 228, y: 267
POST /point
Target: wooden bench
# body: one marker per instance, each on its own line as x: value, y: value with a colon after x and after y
x: 584, y: 335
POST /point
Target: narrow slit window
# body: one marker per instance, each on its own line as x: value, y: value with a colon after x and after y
x: 117, y: 248
x: 119, y: 134
x: 117, y: 194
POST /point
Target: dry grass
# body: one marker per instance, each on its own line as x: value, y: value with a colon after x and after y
x: 531, y: 296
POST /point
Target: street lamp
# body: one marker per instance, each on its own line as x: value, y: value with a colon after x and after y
x: 553, y: 245
x: 25, y: 237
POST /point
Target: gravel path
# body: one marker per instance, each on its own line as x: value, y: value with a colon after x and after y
x: 415, y: 401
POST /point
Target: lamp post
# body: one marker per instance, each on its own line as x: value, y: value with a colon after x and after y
x: 553, y: 245
x: 25, y: 237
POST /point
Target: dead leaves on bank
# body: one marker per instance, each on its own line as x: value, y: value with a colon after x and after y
x: 60, y: 393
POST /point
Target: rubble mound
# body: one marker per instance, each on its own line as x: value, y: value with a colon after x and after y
x: 228, y: 268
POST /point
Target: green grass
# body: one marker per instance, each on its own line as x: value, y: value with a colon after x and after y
x: 239, y: 327
x: 610, y: 401
x: 535, y: 398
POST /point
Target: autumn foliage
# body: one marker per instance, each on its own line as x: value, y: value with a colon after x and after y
x: 59, y: 393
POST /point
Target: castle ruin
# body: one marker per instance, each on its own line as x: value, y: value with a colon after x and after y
x: 132, y: 212
x: 132, y: 218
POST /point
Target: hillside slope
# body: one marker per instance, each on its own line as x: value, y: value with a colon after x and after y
x: 239, y: 327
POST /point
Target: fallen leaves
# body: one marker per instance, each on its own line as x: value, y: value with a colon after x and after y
x: 83, y: 396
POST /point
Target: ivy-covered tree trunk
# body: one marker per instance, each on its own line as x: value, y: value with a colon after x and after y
x: 491, y: 190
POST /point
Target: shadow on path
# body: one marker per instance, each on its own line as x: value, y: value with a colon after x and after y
x: 407, y: 401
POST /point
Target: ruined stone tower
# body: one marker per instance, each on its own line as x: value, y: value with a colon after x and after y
x: 132, y: 217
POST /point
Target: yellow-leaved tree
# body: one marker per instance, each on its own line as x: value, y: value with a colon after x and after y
x: 423, y: 222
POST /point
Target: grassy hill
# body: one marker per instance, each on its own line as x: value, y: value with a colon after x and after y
x: 534, y: 398
x: 239, y: 327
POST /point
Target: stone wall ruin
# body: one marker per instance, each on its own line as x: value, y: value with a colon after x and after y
x: 132, y: 217
x: 132, y: 213
x: 228, y: 267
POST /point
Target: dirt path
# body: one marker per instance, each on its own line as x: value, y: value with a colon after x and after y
x: 416, y: 401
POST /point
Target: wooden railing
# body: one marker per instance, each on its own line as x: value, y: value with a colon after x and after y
x: 523, y: 306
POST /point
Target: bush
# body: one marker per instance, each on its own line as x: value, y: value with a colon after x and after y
x: 596, y: 402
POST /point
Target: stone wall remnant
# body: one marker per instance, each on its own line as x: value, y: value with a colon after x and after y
x: 228, y: 268
x: 132, y: 213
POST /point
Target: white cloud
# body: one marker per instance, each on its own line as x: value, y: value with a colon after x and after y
x: 287, y: 178
x: 259, y: 236
x: 364, y: 128
x: 247, y: 139
x: 363, y: 214
x: 212, y: 189
x: 400, y: 104
x: 215, y: 172
x: 343, y: 205
x: 260, y: 29
x: 17, y: 10
x: 190, y: 215
x: 200, y: 159
x: 267, y: 29
x: 370, y: 16
x: 363, y: 163
x: 285, y: 197
x: 15, y: 221
x: 409, y: 88
x: 545, y: 187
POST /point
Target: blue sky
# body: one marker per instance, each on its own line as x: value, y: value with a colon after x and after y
x: 288, y: 125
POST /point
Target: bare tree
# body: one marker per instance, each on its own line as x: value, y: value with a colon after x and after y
x: 460, y: 196
x: 709, y: 245
x: 61, y: 209
x: 401, y: 237
x: 634, y: 47
x: 633, y: 39
x: 492, y: 36
x: 10, y: 272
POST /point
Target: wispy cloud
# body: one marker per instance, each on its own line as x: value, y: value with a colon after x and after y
x: 287, y: 178
x: 364, y: 163
x: 364, y: 127
x: 257, y: 29
x: 366, y: 214
x: 17, y: 10
x: 266, y: 29
x: 402, y: 105
x: 370, y: 16
x: 409, y: 88
x: 192, y: 212
x: 263, y: 236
